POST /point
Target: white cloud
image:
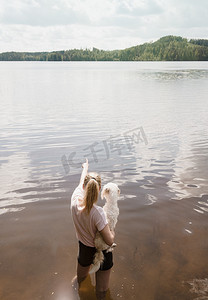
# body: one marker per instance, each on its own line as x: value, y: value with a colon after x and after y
x: 38, y: 25
x: 38, y: 13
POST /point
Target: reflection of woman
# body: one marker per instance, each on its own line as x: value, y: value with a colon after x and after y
x: 88, y: 219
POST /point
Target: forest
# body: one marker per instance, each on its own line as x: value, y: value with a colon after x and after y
x: 168, y: 48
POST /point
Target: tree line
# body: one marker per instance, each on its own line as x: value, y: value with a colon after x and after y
x: 168, y: 48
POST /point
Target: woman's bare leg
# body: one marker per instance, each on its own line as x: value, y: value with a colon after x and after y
x: 82, y: 273
x: 102, y: 283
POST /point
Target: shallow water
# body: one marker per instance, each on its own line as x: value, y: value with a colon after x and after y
x: 143, y: 126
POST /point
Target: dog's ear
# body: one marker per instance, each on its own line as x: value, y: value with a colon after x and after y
x: 104, y: 192
x: 119, y: 191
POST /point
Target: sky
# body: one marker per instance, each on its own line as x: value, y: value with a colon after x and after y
x: 47, y: 25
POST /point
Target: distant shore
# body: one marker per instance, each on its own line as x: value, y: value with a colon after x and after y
x: 168, y: 48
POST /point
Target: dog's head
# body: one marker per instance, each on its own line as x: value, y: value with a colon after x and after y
x: 110, y: 191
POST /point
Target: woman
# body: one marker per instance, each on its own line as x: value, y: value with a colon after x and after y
x: 89, y: 218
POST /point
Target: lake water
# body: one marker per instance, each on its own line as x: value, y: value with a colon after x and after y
x: 142, y: 125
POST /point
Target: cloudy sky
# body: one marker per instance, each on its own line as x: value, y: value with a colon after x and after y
x: 47, y: 25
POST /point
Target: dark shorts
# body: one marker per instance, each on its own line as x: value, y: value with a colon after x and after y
x: 86, y: 257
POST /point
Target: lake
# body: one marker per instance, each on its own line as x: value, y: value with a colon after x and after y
x: 142, y: 125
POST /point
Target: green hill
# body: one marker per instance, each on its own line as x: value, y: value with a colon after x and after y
x: 168, y: 48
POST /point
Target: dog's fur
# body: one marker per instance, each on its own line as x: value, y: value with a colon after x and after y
x: 111, y: 193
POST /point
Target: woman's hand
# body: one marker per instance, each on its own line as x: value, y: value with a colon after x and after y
x: 85, y: 164
x: 84, y: 171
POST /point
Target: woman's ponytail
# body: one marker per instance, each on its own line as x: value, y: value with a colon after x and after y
x: 92, y: 186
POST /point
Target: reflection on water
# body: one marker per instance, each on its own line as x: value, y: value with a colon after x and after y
x: 6, y: 210
x: 54, y: 115
x: 167, y: 75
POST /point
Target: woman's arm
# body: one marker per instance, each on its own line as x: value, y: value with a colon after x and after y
x: 84, y: 171
x: 107, y: 235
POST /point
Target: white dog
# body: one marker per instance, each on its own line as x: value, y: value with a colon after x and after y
x: 111, y: 193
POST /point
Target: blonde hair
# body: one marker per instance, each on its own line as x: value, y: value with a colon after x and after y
x: 92, y: 185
